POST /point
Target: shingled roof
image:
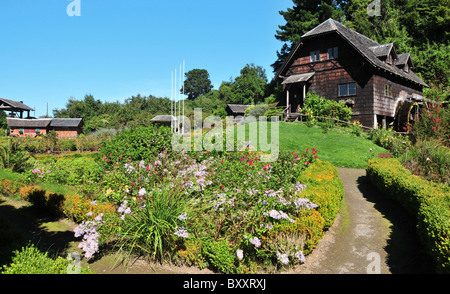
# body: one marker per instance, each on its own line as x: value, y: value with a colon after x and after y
x: 237, y: 108
x: 404, y: 58
x: 12, y: 105
x: 365, y: 46
x: 28, y: 123
x: 383, y: 50
x: 44, y: 122
x: 164, y: 118
x: 66, y: 122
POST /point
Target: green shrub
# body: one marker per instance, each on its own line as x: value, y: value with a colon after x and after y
x: 271, y: 112
x: 66, y: 170
x: 320, y: 106
x: 257, y: 110
x: 220, y: 256
x: 388, y: 139
x: 356, y: 128
x: 139, y: 143
x: 429, y: 160
x: 14, y: 156
x: 31, y: 261
x: 427, y: 201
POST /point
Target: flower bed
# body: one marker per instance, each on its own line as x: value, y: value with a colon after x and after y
x: 428, y: 201
x: 227, y: 211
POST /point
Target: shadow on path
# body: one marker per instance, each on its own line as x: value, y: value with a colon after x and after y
x: 24, y: 224
x: 405, y: 254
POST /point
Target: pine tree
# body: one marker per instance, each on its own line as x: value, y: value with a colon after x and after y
x: 304, y: 16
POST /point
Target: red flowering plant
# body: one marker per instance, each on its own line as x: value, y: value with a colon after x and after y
x: 433, y: 123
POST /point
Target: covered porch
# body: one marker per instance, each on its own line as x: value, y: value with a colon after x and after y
x: 296, y: 87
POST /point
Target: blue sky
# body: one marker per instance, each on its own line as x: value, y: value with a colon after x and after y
x: 119, y: 48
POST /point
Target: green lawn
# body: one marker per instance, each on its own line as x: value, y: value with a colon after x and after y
x: 336, y: 146
x: 52, y: 187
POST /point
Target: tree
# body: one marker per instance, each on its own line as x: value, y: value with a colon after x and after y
x: 85, y: 109
x: 304, y: 16
x: 249, y: 87
x: 226, y: 93
x: 197, y: 83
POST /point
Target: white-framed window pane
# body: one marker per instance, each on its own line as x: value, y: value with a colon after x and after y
x: 330, y: 53
x: 352, y: 89
x: 317, y: 55
x: 343, y: 90
x: 335, y: 52
x: 312, y: 56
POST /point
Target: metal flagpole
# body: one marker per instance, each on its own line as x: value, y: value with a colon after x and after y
x: 175, y: 92
x: 171, y: 105
x: 179, y: 93
x: 183, y: 93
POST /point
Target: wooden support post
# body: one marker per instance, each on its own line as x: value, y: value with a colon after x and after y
x: 304, y: 92
x: 287, y: 101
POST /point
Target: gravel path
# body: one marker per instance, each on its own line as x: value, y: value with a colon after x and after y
x: 372, y: 234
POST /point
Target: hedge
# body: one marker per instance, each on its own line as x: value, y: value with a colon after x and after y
x: 31, y: 261
x: 324, y: 188
x: 427, y: 201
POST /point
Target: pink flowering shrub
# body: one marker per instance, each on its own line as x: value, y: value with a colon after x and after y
x: 167, y: 202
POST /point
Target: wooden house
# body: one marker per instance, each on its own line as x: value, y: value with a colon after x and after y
x: 65, y: 128
x: 338, y: 63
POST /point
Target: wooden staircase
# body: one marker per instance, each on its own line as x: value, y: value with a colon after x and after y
x: 287, y: 115
x: 292, y: 116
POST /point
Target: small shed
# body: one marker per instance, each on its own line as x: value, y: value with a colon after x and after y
x: 67, y: 127
x: 28, y: 127
x: 236, y: 109
x: 163, y: 120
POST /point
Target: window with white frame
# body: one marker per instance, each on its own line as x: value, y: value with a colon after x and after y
x: 333, y: 53
x: 315, y: 55
x: 347, y: 89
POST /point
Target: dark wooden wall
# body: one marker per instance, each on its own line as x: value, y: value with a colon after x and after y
x: 349, y: 67
x: 370, y: 99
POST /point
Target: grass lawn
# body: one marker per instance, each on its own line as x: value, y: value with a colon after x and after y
x: 336, y: 146
x: 52, y: 187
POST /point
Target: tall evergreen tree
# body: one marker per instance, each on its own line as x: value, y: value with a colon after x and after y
x: 197, y: 83
x: 304, y: 16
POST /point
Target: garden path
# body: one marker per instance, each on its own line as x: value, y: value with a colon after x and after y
x: 372, y: 234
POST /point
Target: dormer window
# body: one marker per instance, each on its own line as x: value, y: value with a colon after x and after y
x: 315, y: 56
x: 389, y: 59
x: 333, y: 53
x: 406, y: 68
